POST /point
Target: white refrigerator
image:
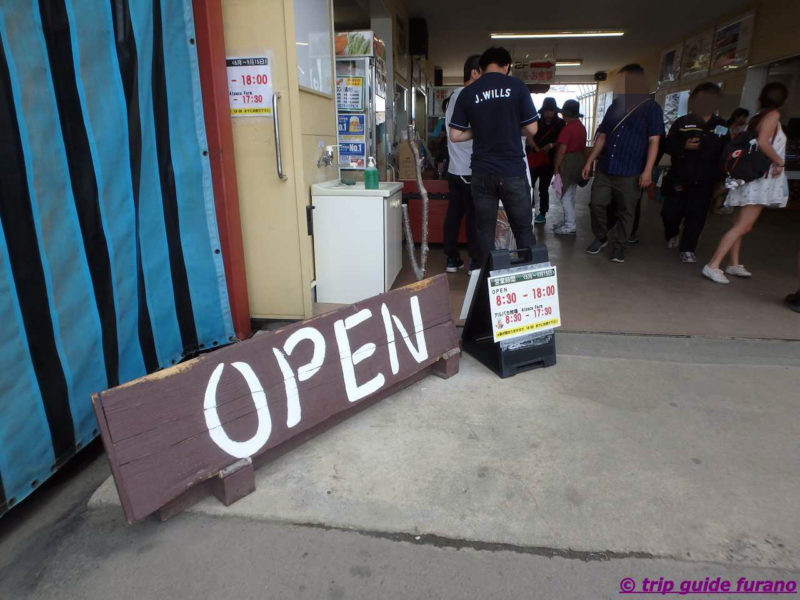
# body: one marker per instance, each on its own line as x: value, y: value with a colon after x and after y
x: 358, y: 240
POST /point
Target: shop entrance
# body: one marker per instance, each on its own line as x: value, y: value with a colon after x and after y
x: 584, y: 93
x: 653, y: 292
x: 739, y: 49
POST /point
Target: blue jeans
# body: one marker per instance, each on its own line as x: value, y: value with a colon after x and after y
x: 487, y: 191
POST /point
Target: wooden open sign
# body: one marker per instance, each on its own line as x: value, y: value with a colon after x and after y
x: 197, y: 427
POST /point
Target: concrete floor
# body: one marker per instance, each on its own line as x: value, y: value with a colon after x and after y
x: 630, y: 446
x: 635, y: 456
x: 199, y: 557
x: 653, y: 292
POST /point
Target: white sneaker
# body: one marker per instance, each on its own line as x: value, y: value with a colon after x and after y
x: 738, y: 271
x: 688, y: 257
x: 674, y: 242
x: 715, y: 275
x: 562, y: 230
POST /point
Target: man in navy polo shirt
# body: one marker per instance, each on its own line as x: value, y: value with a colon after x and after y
x: 494, y: 112
x: 627, y: 145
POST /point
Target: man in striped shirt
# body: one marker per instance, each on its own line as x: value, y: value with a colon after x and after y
x: 626, y: 148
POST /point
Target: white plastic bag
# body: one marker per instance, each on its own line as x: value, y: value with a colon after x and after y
x: 557, y: 185
x: 503, y: 236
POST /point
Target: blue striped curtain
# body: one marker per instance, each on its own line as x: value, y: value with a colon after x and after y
x: 110, y: 263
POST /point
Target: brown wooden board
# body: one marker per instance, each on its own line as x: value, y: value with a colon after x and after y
x: 173, y: 430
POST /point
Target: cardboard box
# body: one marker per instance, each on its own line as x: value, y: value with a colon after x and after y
x: 405, y: 162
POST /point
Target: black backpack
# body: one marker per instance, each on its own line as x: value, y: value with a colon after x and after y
x: 743, y: 159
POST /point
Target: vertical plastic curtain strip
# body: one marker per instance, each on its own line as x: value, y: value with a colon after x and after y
x: 111, y: 264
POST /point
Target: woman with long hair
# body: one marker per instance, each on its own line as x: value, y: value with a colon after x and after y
x: 750, y: 199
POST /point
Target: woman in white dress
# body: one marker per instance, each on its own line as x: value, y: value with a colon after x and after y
x: 750, y: 199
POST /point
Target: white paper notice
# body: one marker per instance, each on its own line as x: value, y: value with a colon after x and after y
x: 523, y: 302
x: 250, y: 86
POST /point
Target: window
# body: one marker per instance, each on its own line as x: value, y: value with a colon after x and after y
x: 314, y: 39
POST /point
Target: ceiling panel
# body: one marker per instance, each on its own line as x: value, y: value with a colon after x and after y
x: 458, y: 28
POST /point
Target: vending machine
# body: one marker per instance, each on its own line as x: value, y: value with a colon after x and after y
x: 361, y: 102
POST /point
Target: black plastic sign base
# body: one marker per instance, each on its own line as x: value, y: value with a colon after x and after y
x: 505, y: 359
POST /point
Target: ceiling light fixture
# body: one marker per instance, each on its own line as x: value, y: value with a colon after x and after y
x: 555, y: 34
x: 569, y: 63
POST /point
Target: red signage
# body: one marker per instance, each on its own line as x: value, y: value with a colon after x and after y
x: 535, y: 72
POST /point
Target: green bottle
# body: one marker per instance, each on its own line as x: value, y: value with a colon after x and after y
x: 371, y: 175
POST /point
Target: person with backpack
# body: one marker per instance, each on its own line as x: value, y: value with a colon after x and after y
x: 768, y: 187
x: 695, y: 142
x: 541, y: 154
x: 626, y: 148
x: 737, y: 123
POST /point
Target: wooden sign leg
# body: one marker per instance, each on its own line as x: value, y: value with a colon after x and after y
x: 447, y: 366
x: 234, y: 482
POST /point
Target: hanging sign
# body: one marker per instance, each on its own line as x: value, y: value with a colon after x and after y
x: 352, y: 140
x: 358, y: 43
x: 523, y: 301
x: 440, y: 94
x: 350, y: 93
x: 213, y: 418
x: 535, y: 72
x: 250, y: 86
x: 353, y: 154
x: 351, y: 127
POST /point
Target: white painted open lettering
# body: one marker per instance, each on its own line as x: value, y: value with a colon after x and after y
x: 350, y: 359
x: 215, y: 429
x: 419, y: 353
x: 304, y: 372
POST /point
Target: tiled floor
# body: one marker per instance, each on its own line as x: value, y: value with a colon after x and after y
x: 653, y: 292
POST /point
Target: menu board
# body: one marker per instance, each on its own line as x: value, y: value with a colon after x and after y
x: 350, y: 93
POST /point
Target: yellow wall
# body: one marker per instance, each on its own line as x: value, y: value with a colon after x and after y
x: 278, y: 249
x: 318, y: 126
